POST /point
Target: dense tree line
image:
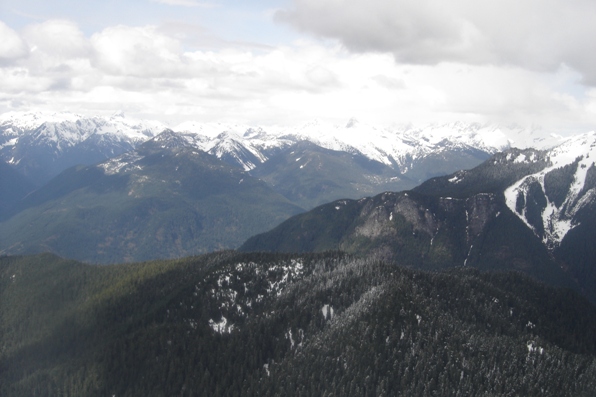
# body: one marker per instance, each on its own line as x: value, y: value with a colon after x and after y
x: 229, y: 324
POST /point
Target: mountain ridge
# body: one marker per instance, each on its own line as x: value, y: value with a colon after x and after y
x: 158, y: 201
x: 468, y: 218
x: 48, y: 143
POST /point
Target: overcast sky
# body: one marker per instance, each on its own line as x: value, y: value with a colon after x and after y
x: 285, y: 62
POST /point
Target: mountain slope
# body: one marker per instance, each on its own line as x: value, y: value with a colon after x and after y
x: 558, y: 204
x: 13, y: 187
x: 495, y: 217
x: 272, y: 325
x: 310, y: 175
x: 159, y: 201
x: 418, y: 231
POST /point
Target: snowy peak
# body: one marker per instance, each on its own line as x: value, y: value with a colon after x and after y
x: 352, y: 123
x: 402, y: 146
x: 550, y: 200
x: 169, y: 139
x: 50, y: 142
x: 233, y: 149
x: 74, y: 128
x: 32, y: 120
x: 41, y: 145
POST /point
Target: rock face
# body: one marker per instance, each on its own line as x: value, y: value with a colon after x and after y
x: 480, y: 209
x: 377, y: 220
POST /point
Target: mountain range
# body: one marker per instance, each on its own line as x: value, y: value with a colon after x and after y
x: 525, y: 210
x: 160, y: 200
x: 57, y: 163
x: 41, y: 145
x: 477, y: 281
x: 252, y: 179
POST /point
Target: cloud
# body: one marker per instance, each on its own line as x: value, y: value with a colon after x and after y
x: 137, y: 51
x: 535, y: 34
x: 59, y: 39
x: 151, y: 71
x: 12, y: 47
x: 184, y: 3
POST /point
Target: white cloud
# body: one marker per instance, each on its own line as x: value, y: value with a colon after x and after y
x: 184, y: 3
x: 58, y: 39
x: 12, y: 47
x: 534, y: 34
x: 136, y: 51
x: 148, y: 71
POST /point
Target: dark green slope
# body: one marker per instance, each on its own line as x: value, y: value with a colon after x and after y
x: 13, y: 187
x: 457, y: 220
x: 418, y: 231
x: 272, y: 324
x: 310, y: 175
x: 159, y: 201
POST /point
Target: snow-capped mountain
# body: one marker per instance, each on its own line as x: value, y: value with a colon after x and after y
x: 549, y: 201
x: 402, y: 147
x: 243, y: 146
x: 41, y: 145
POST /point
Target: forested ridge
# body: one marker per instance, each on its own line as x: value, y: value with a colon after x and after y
x: 237, y: 324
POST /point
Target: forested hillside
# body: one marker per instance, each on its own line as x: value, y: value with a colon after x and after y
x: 159, y: 201
x: 524, y: 210
x: 228, y: 324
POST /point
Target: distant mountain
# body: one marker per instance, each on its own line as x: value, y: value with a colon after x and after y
x: 433, y: 149
x: 229, y: 324
x: 355, y: 160
x: 526, y: 210
x: 41, y: 145
x: 367, y: 159
x: 162, y: 200
x: 310, y: 175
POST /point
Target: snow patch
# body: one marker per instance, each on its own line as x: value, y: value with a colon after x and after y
x: 123, y: 163
x: 222, y: 326
x: 468, y: 256
x: 327, y: 312
x: 533, y: 348
x: 558, y: 221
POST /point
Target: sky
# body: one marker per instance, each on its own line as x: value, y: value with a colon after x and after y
x: 287, y: 62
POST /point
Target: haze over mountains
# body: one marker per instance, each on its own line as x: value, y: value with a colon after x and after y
x: 160, y: 200
x: 122, y: 182
x: 41, y: 145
